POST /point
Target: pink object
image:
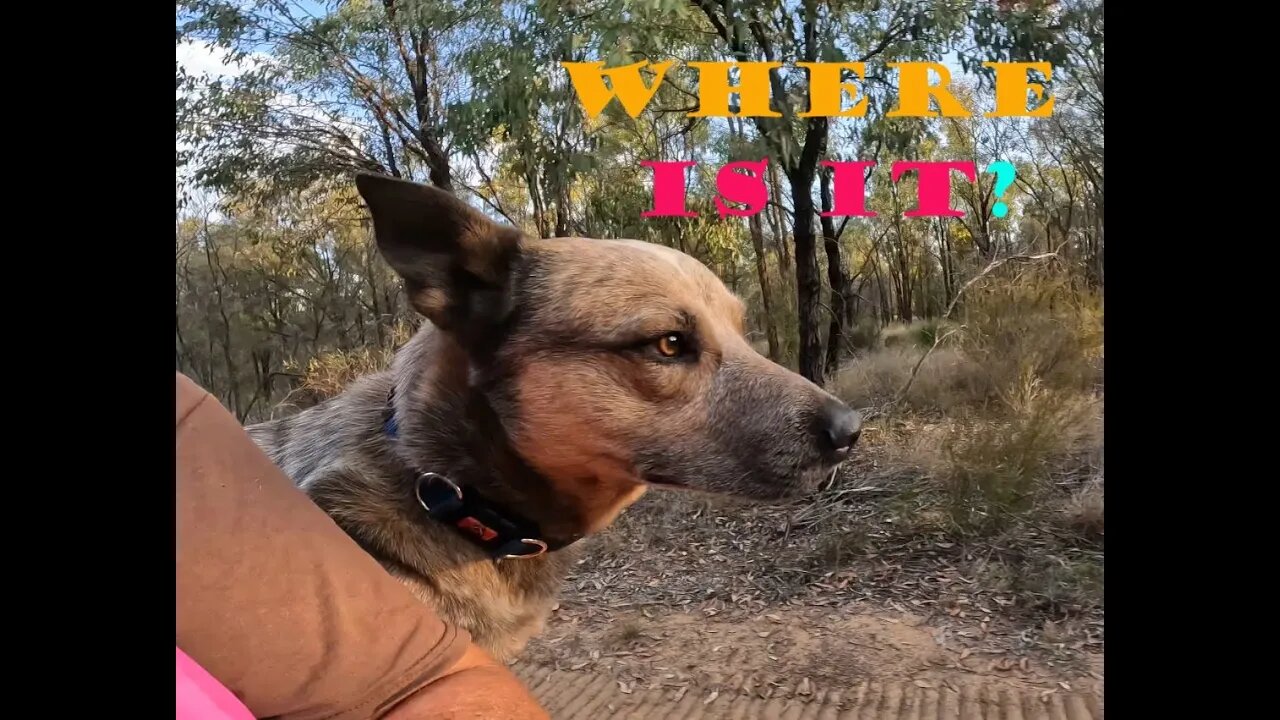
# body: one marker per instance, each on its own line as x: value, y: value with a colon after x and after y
x: 668, y: 188
x: 934, y: 185
x: 850, y: 181
x: 201, y: 697
x: 748, y: 189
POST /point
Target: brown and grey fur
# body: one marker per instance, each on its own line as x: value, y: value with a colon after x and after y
x: 539, y: 382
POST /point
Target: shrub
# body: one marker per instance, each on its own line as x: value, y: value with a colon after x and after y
x: 994, y: 467
x: 1039, y: 321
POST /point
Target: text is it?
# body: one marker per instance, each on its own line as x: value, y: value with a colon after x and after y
x: 743, y: 183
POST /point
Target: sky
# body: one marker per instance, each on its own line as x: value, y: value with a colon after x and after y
x: 199, y: 59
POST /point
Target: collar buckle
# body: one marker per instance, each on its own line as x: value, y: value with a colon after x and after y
x: 542, y: 549
x: 427, y: 478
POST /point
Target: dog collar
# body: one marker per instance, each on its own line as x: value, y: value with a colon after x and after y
x: 476, y: 519
x: 502, y: 534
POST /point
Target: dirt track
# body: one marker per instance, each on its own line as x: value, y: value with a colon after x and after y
x: 569, y: 695
x: 693, y: 610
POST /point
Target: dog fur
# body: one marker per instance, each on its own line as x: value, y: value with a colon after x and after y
x: 562, y: 377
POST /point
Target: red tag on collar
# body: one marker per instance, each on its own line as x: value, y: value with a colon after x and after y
x: 477, y: 528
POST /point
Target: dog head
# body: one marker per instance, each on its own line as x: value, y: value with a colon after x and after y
x: 609, y: 361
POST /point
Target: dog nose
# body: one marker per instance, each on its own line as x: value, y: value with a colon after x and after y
x: 841, y: 426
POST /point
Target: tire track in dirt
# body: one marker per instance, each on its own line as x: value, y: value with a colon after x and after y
x: 569, y: 695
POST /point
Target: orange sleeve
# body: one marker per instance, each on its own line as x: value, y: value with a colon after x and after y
x: 274, y: 599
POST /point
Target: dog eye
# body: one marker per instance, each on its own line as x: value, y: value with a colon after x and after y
x: 671, y: 345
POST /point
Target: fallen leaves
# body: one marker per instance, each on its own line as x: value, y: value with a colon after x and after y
x: 748, y: 597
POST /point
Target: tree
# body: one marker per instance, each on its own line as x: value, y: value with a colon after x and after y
x: 470, y: 95
x: 364, y: 87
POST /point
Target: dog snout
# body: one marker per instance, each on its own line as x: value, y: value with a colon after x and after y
x: 838, y: 428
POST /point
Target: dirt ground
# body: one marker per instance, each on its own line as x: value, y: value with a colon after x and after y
x: 792, y: 650
x: 690, y: 596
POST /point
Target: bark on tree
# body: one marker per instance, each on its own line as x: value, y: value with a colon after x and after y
x: 766, y: 293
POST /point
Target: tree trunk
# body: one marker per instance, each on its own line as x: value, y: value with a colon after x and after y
x: 776, y: 220
x: 902, y: 270
x: 562, y: 216
x: 766, y: 293
x: 884, y: 297
x: 837, y: 278
x: 808, y: 285
x: 947, y: 261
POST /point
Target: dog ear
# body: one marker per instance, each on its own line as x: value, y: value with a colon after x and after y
x: 456, y: 263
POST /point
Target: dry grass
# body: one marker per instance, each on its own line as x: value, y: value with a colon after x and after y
x: 998, y: 441
x: 1083, y: 513
x: 948, y: 379
x: 328, y: 374
x: 920, y: 333
x: 1040, y: 322
x: 1036, y: 324
x: 992, y: 418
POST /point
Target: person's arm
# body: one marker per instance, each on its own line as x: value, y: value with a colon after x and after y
x: 278, y: 604
x: 476, y: 687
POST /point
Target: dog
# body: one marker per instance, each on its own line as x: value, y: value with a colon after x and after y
x: 557, y: 380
